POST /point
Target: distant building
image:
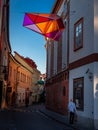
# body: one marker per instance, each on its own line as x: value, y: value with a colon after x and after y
x: 35, y: 78
x: 21, y: 76
x: 35, y: 89
x: 72, y: 62
x: 38, y: 89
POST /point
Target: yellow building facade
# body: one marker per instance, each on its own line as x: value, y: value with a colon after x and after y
x: 20, y: 81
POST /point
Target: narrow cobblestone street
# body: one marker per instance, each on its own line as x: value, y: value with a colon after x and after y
x: 31, y: 117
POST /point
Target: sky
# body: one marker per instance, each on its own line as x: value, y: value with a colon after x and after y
x: 24, y: 41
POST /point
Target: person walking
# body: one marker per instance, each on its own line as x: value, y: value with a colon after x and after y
x: 72, y: 111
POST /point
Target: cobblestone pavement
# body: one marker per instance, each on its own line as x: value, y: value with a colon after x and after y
x: 53, y: 115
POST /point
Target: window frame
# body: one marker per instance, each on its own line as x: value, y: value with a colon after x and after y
x: 76, y: 25
x: 78, y: 88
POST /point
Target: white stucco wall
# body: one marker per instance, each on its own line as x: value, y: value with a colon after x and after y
x: 96, y: 26
x: 79, y: 9
x: 64, y: 47
x: 96, y: 94
x: 88, y: 87
x: 88, y: 9
x: 61, y: 9
x: 48, y: 58
x: 88, y: 113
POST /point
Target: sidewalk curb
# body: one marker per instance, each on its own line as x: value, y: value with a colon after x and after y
x: 53, y: 118
x: 64, y: 119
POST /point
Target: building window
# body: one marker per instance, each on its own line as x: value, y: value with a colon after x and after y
x: 78, y: 34
x: 18, y: 76
x: 78, y: 93
x: 10, y: 71
x: 21, y: 77
x: 64, y: 91
x: 14, y: 74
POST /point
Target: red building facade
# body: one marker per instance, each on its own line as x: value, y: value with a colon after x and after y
x: 57, y: 93
x: 57, y: 81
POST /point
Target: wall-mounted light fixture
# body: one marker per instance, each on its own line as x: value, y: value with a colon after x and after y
x: 90, y: 74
